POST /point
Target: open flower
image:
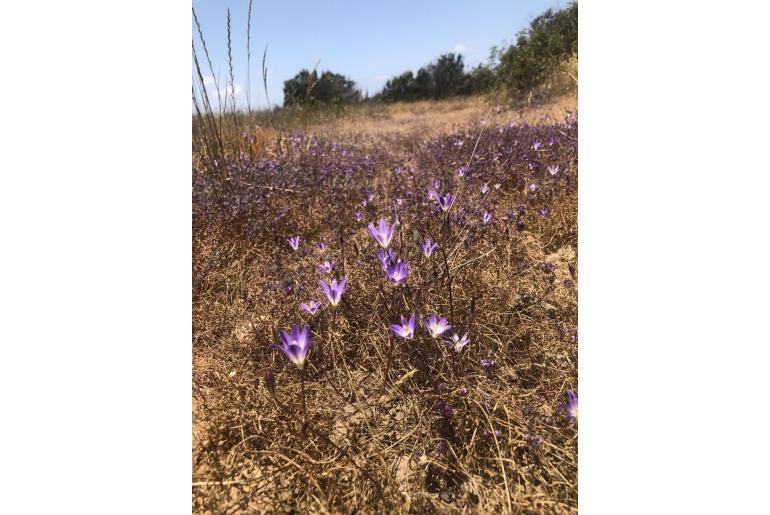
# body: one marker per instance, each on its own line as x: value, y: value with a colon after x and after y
x: 458, y: 343
x: 487, y: 364
x: 484, y: 188
x: 406, y: 329
x: 359, y: 215
x: 397, y: 272
x: 295, y: 345
x: 294, y: 242
x: 310, y: 306
x: 445, y: 201
x: 486, y: 217
x: 571, y: 406
x: 326, y: 266
x: 428, y: 247
x: 436, y: 327
x: 334, y: 290
x: 553, y: 169
x: 383, y: 234
x: 544, y: 211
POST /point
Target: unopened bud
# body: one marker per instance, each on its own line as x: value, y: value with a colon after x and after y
x: 270, y: 381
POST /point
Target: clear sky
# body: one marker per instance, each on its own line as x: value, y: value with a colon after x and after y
x: 367, y: 41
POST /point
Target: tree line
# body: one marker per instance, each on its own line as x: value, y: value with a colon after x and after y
x: 538, y: 51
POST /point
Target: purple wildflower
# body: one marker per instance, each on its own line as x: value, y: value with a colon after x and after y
x: 428, y: 247
x: 445, y: 202
x: 321, y: 246
x: 406, y: 329
x: 441, y: 446
x: 458, y: 343
x: 533, y: 187
x: 536, y: 145
x: 294, y: 242
x: 326, y: 267
x: 486, y: 364
x: 553, y: 169
x: 334, y: 290
x: 534, y: 441
x: 397, y: 272
x: 359, y: 215
x: 383, y: 234
x: 571, y: 405
x: 436, y: 327
x: 548, y: 267
x: 484, y: 188
x: 385, y: 257
x: 486, y: 217
x: 295, y: 345
x: 544, y: 211
x: 462, y: 171
x: 463, y: 392
x: 310, y: 306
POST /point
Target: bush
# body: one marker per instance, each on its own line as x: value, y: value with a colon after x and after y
x: 550, y: 40
x: 308, y: 89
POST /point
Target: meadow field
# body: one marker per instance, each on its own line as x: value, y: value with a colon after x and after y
x: 385, y: 312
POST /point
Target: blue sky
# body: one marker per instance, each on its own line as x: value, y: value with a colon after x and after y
x: 366, y: 41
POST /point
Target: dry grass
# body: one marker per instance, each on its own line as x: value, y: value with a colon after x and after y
x: 372, y: 442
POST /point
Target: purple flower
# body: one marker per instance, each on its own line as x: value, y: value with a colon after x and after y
x: 428, y: 247
x: 463, y: 392
x: 553, y: 169
x: 441, y: 446
x: 359, y: 215
x: 432, y: 195
x: 544, y: 211
x: 436, y: 327
x: 295, y: 345
x: 406, y: 329
x: 533, y: 187
x: 397, y: 272
x: 383, y: 234
x: 548, y: 267
x: 536, y: 145
x: 486, y: 217
x: 484, y: 188
x: 294, y: 242
x: 334, y: 290
x: 326, y: 266
x: 458, y: 343
x: 496, y: 186
x: 385, y: 257
x: 445, y: 202
x: 310, y: 306
x: 534, y: 441
x: 486, y: 364
x: 462, y: 171
x: 321, y: 246
x: 571, y: 405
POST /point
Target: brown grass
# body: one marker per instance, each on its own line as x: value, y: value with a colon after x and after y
x: 369, y: 449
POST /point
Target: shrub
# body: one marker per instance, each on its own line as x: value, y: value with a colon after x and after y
x: 550, y: 40
x: 309, y: 89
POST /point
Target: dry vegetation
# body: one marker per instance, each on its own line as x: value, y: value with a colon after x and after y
x: 377, y: 443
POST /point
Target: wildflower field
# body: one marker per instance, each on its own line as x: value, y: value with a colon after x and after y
x: 387, y: 323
